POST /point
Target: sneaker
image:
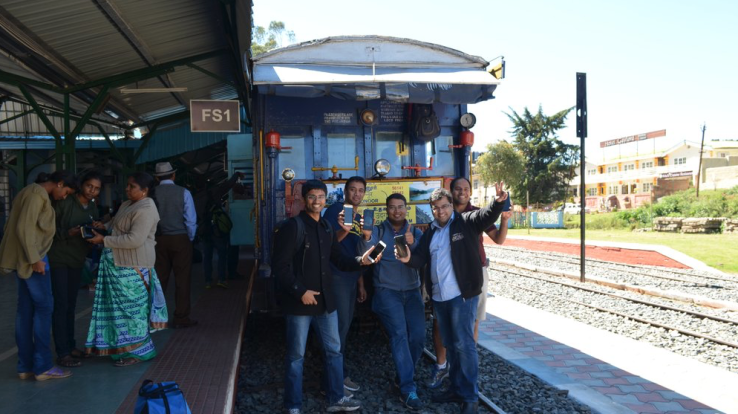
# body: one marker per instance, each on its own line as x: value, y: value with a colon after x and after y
x: 438, y: 376
x: 411, y: 401
x: 25, y: 375
x: 350, y: 385
x: 54, y: 373
x: 346, y: 393
x: 292, y: 411
x: 223, y: 285
x: 344, y: 404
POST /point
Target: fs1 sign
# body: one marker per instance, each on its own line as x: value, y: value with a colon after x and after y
x: 214, y: 116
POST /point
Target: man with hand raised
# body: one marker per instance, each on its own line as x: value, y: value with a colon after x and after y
x: 450, y: 249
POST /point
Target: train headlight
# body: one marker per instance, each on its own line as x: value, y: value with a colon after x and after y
x: 382, y: 167
x: 288, y: 174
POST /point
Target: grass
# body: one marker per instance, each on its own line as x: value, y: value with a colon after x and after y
x: 716, y: 250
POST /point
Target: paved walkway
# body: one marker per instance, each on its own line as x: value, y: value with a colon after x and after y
x: 608, y: 372
x: 202, y: 359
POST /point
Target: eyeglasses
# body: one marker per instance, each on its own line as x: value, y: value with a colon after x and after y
x: 439, y: 208
x: 395, y: 208
x: 314, y: 197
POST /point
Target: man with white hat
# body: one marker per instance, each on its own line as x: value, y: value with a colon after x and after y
x: 174, y: 240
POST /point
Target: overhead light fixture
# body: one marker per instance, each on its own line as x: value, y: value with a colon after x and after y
x: 153, y: 90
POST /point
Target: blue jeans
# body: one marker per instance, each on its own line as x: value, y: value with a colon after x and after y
x: 220, y: 245
x: 65, y: 283
x: 33, y: 323
x: 403, y: 316
x: 344, y: 292
x: 456, y: 322
x: 297, y: 332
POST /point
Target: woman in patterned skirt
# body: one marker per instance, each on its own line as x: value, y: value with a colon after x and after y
x: 129, y: 302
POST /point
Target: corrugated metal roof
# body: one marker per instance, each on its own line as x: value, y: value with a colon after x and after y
x: 71, y: 42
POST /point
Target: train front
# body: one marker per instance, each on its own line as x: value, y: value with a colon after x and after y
x: 391, y: 110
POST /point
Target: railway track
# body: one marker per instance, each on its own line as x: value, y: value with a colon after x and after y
x: 731, y: 323
x: 709, y: 286
x: 681, y: 322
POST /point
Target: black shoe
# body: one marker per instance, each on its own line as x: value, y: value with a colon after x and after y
x: 470, y: 407
x: 446, y: 396
x: 185, y: 324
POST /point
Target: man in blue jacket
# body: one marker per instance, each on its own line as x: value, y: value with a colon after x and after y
x: 348, y: 287
x: 397, y: 299
x: 450, y: 249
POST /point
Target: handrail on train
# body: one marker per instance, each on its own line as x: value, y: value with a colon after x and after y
x: 335, y: 169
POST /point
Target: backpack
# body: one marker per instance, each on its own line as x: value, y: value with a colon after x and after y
x: 220, y: 221
x: 424, y: 122
x: 161, y: 398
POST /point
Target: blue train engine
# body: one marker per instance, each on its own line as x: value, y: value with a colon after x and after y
x: 391, y: 110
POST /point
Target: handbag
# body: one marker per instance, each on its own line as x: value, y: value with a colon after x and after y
x: 161, y: 398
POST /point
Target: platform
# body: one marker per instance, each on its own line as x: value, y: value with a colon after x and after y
x: 203, y: 360
x: 605, y: 371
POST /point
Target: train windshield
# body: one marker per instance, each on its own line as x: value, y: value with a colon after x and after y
x: 392, y: 147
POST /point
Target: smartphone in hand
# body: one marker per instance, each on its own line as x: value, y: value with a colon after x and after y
x: 401, y: 245
x: 508, y: 203
x: 379, y: 248
x: 368, y: 218
x: 348, y: 216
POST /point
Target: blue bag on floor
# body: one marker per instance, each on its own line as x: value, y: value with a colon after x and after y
x: 161, y: 398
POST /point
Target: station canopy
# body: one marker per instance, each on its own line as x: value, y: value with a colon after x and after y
x: 374, y: 67
x: 119, y: 64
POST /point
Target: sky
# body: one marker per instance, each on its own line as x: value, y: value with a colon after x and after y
x: 650, y: 64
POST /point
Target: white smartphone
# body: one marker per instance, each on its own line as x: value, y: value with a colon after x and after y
x: 348, y: 216
x: 378, y: 249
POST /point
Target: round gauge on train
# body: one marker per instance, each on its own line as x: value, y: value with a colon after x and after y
x: 468, y: 120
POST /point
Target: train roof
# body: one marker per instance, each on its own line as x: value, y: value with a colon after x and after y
x: 374, y: 67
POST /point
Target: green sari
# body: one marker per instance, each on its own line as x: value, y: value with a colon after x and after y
x: 129, y: 305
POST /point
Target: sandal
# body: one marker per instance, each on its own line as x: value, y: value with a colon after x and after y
x: 76, y: 353
x: 126, y: 362
x: 53, y: 373
x: 68, y: 362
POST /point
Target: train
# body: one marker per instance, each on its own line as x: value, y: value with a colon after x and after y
x: 391, y: 110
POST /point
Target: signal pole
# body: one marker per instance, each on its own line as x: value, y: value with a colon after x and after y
x: 582, y: 134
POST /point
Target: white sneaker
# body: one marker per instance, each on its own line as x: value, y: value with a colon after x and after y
x: 343, y: 405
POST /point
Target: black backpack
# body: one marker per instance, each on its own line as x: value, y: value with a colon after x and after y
x: 424, y: 122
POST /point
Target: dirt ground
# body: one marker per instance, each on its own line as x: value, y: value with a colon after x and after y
x: 610, y: 254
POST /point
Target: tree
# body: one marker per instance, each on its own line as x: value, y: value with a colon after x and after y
x: 264, y: 40
x: 502, y: 162
x: 550, y: 164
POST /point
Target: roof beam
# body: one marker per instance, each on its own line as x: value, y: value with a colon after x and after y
x: 115, y: 16
x: 146, y: 73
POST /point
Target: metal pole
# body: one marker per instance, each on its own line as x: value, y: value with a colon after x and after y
x: 699, y: 169
x: 527, y: 210
x: 582, y: 201
x: 582, y: 134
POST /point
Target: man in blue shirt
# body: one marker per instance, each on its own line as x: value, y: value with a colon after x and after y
x: 397, y: 299
x: 450, y: 249
x: 345, y: 284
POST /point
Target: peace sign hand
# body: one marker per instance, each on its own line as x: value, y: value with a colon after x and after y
x: 501, y: 193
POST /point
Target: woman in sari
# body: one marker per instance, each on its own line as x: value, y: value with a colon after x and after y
x: 129, y: 302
